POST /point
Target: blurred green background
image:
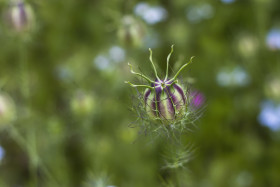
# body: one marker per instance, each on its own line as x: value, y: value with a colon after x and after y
x: 64, y: 107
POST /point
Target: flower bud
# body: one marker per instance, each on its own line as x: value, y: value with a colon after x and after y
x: 82, y: 103
x: 20, y: 16
x: 7, y: 110
x: 131, y: 31
x: 165, y: 100
x: 272, y: 88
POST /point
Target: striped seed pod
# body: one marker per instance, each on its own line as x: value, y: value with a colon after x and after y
x: 20, y: 16
x: 164, y: 99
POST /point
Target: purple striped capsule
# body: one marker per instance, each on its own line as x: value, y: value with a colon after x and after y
x: 166, y: 100
x: 20, y: 16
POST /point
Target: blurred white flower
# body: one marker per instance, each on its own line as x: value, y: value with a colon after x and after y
x: 108, y: 61
x: 197, y: 13
x: 63, y: 73
x: 102, y: 62
x: 100, y: 180
x: 270, y: 115
x: 235, y: 77
x: 117, y: 54
x: 140, y: 8
x: 150, y: 14
x: 244, y: 178
x: 240, y: 76
x: 151, y: 40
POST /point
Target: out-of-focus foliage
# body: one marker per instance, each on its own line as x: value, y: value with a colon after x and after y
x: 64, y: 107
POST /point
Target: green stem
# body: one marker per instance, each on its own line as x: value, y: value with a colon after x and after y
x: 151, y: 59
x: 24, y: 73
x: 25, y: 146
x: 185, y: 65
x: 31, y: 146
x: 17, y: 137
x: 33, y: 156
x: 168, y: 57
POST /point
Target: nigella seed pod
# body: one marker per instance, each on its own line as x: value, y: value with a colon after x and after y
x: 164, y: 99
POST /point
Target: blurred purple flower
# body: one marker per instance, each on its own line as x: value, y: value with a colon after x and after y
x: 197, y: 99
x: 273, y: 39
x: 233, y: 77
x: 270, y: 115
x: 2, y: 153
x: 227, y: 1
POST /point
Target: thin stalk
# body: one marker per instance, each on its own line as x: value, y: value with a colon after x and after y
x: 156, y: 102
x: 168, y: 57
x: 20, y: 140
x: 185, y: 65
x: 31, y: 136
x: 134, y: 86
x: 151, y: 59
x: 139, y: 74
x: 17, y: 137
x: 33, y: 156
